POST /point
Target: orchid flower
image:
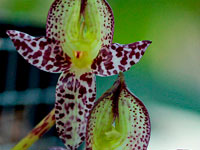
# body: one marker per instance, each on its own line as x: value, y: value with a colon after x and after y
x: 78, y: 44
x: 118, y: 121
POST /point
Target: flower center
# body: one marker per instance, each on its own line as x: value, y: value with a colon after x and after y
x: 82, y: 34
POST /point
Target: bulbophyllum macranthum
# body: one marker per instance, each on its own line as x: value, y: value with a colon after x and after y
x: 78, y: 44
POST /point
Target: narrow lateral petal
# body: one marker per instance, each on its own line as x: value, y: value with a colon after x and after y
x: 75, y: 95
x: 119, y: 58
x: 41, y: 52
x: 118, y: 121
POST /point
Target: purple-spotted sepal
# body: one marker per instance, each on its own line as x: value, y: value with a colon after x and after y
x: 75, y: 96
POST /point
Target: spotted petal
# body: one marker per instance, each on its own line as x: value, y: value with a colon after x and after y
x: 119, y: 121
x: 75, y: 95
x: 41, y: 52
x: 119, y: 58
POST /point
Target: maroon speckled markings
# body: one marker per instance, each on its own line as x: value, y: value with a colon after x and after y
x: 55, y: 27
x: 136, y: 125
x: 119, y: 57
x: 76, y: 91
x: 74, y: 100
x: 42, y: 52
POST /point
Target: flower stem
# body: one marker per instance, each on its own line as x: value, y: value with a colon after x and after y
x: 41, y: 128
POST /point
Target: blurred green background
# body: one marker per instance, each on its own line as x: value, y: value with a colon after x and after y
x: 167, y: 79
